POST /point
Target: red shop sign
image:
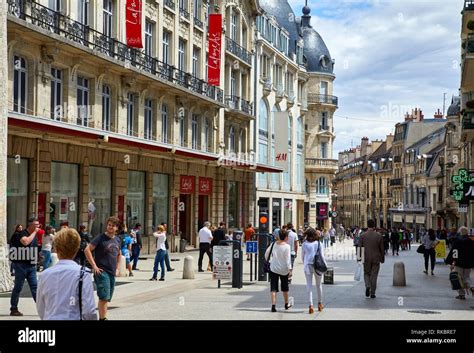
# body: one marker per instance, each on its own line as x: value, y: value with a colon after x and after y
x: 186, y: 184
x: 205, y: 186
x: 133, y: 20
x: 215, y: 45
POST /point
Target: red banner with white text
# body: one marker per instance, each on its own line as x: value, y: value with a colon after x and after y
x: 215, y: 45
x: 133, y: 19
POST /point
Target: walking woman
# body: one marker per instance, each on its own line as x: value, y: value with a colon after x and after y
x: 430, y: 242
x: 160, y: 236
x: 326, y: 237
x: 279, y: 254
x: 310, y: 248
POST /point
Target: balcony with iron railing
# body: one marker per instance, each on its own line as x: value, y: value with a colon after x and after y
x: 240, y: 52
x: 170, y: 4
x: 396, y: 182
x: 314, y: 98
x: 239, y: 104
x: 184, y: 13
x: 55, y: 22
x: 321, y: 163
x: 198, y: 23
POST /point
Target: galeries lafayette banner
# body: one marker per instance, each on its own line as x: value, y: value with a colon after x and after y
x: 133, y: 19
x: 215, y: 45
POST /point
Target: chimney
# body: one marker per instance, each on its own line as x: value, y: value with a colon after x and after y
x: 438, y: 115
x: 389, y: 141
x: 363, y: 146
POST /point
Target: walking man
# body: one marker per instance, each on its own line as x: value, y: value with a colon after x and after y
x: 205, y: 238
x: 167, y: 256
x: 136, y: 234
x: 24, y: 257
x: 373, y: 255
x: 105, y: 265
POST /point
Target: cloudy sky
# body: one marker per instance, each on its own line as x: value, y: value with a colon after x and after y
x: 391, y: 56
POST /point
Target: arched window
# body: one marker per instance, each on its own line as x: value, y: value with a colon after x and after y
x: 322, y: 186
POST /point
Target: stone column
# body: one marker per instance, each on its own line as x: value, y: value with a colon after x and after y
x: 6, y: 281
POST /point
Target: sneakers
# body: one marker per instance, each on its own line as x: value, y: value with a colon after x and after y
x: 15, y: 312
x: 287, y: 306
x: 367, y: 292
x: 320, y: 307
x: 311, y: 309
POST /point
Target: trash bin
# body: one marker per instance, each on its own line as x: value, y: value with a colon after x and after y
x: 182, y: 245
x: 329, y: 276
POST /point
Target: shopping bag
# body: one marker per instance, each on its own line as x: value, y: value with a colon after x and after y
x: 358, y: 272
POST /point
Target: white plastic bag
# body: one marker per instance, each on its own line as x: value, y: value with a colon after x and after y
x: 358, y: 272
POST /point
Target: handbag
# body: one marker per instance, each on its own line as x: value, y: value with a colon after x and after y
x: 319, y: 264
x: 421, y: 249
x: 455, y: 279
x: 266, y: 264
x: 358, y: 272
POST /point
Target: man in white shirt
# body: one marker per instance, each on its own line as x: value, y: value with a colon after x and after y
x: 205, y: 238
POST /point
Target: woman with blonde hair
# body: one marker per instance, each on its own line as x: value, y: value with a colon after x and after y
x: 310, y: 248
x: 65, y: 291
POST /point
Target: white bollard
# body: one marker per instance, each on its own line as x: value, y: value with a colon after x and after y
x: 54, y: 259
x: 399, y: 279
x: 123, y: 268
x: 188, y: 267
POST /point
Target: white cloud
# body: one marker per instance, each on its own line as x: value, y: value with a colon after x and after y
x: 389, y: 55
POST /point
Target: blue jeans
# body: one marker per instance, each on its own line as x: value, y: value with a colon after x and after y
x: 135, y: 255
x: 46, y: 259
x: 22, y: 272
x: 326, y: 242
x: 159, y: 259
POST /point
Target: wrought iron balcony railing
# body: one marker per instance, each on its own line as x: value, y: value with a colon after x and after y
x: 170, y: 4
x: 237, y: 103
x: 184, y: 13
x: 238, y: 51
x: 322, y: 98
x: 55, y: 22
x: 396, y: 182
x: 198, y: 23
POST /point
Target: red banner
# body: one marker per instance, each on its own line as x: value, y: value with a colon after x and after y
x: 42, y: 208
x: 133, y: 20
x: 186, y: 184
x: 215, y: 45
x: 205, y: 186
x: 121, y: 208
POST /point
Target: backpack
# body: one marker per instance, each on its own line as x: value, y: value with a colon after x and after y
x: 122, y: 240
x: 319, y: 264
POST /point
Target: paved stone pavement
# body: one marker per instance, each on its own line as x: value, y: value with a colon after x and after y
x: 425, y: 297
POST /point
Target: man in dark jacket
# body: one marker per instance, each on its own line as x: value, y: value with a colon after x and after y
x: 463, y: 260
x: 218, y: 235
x: 373, y: 255
x: 394, y: 238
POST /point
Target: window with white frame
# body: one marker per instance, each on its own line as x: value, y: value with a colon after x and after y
x: 233, y: 25
x: 148, y: 133
x: 233, y: 83
x: 166, y: 47
x: 263, y: 119
x: 299, y: 132
x: 324, y: 150
x: 324, y: 121
x: 182, y: 55
x: 196, y: 62
x: 106, y: 107
x: 82, y: 101
x: 83, y: 11
x: 108, y: 18
x: 55, y: 5
x: 149, y: 31
x: 130, y: 113
x: 324, y: 88
x: 194, y: 132
x: 322, y: 186
x: 231, y: 144
x: 164, y: 123
x: 183, y: 4
x: 197, y: 9
x: 20, y: 84
x: 56, y: 94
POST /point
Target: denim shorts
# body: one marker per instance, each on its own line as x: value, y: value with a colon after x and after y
x: 105, y: 283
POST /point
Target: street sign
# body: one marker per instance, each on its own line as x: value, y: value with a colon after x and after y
x: 440, y: 249
x: 181, y: 206
x: 251, y: 247
x: 222, y: 258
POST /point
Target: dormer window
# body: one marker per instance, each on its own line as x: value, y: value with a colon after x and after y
x: 324, y: 61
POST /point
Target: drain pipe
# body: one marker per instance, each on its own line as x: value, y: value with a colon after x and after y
x: 255, y: 135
